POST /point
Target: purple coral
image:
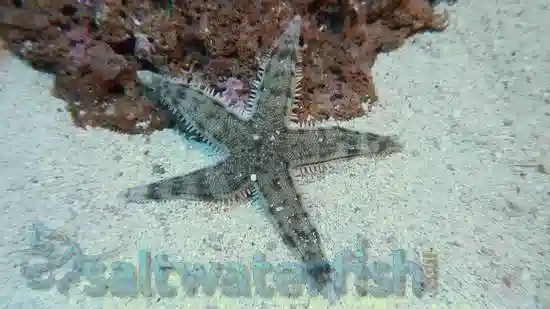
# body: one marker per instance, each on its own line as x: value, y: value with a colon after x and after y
x: 79, y: 56
x: 231, y: 94
x: 79, y: 34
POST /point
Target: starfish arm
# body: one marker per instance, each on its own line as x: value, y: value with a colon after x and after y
x: 282, y: 75
x: 276, y: 193
x: 304, y: 147
x: 208, y: 117
x: 198, y: 112
x: 220, y: 182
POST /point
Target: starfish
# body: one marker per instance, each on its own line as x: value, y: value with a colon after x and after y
x: 260, y: 146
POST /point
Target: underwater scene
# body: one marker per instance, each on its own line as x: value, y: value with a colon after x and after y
x: 275, y: 154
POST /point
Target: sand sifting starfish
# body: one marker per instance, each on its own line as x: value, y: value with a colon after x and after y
x: 261, y: 148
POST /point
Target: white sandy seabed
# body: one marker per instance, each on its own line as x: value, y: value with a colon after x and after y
x: 471, y: 104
